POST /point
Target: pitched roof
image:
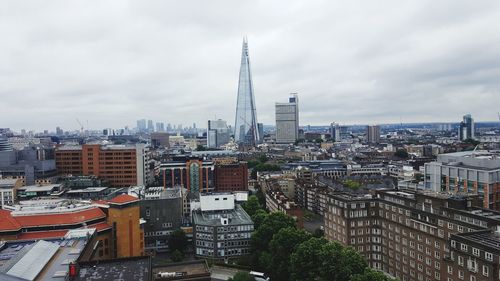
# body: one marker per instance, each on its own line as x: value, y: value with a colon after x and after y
x: 60, y: 218
x: 7, y: 223
x: 123, y: 199
x: 100, y: 226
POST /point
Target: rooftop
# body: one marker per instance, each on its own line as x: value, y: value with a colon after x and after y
x: 7, y: 182
x: 40, y: 188
x: 213, y: 218
x: 192, y: 269
x: 126, y: 269
x: 123, y: 199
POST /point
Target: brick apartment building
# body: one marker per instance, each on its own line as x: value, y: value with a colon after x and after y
x: 276, y: 201
x: 418, y: 235
x: 120, y: 165
x: 231, y: 177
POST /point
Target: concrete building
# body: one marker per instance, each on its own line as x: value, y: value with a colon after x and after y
x: 287, y: 120
x: 467, y: 172
x: 221, y: 229
x: 218, y: 133
x: 120, y: 165
x: 466, y: 128
x: 162, y: 209
x: 8, y: 191
x: 373, y: 134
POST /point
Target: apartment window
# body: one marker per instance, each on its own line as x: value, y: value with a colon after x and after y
x: 450, y: 269
x: 453, y: 243
x: 461, y: 274
x: 460, y: 260
x: 488, y: 256
x: 463, y: 247
x: 486, y: 270
x: 475, y: 252
x: 450, y: 225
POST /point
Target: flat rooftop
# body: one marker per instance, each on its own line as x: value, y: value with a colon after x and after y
x: 126, y: 269
x: 189, y: 268
x: 236, y: 216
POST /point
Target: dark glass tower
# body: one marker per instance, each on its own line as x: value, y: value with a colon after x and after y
x: 245, y: 129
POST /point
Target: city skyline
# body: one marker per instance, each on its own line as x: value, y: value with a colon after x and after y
x: 352, y: 63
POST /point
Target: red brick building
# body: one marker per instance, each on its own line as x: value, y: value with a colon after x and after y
x: 231, y: 177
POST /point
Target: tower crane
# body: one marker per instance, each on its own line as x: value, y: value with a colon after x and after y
x: 81, y: 125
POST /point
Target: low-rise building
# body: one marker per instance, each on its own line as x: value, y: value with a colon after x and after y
x: 221, y: 229
x: 276, y: 201
x: 8, y: 190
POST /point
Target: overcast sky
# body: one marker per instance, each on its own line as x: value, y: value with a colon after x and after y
x: 353, y: 62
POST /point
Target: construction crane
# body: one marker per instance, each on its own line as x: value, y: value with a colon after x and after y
x: 81, y: 125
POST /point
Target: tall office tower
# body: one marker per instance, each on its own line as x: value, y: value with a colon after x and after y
x: 217, y: 133
x: 260, y: 128
x: 151, y: 127
x: 141, y: 125
x: 466, y: 128
x: 160, y: 127
x: 245, y: 130
x: 335, y: 131
x: 287, y: 120
x: 373, y: 133
x: 59, y: 131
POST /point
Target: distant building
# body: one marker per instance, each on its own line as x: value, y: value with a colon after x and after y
x: 245, y: 128
x: 373, y: 134
x: 160, y: 139
x: 120, y: 165
x: 195, y: 175
x: 276, y: 201
x: 141, y: 125
x: 231, y: 177
x: 222, y: 229
x: 466, y: 128
x: 218, y: 133
x: 467, y: 172
x: 160, y: 127
x: 151, y: 127
x: 335, y: 131
x: 8, y: 191
x: 287, y: 120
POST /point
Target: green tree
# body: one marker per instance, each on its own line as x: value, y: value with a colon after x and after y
x: 271, y: 224
x: 200, y: 147
x: 401, y: 153
x: 177, y: 241
x: 306, y: 261
x: 259, y: 217
x: 341, y: 262
x: 282, y: 246
x: 177, y: 256
x: 261, y: 196
x: 252, y: 205
x: 371, y: 275
x: 263, y: 158
x: 242, y: 276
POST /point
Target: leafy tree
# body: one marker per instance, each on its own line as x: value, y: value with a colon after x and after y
x: 263, y: 158
x: 341, y: 262
x: 253, y: 174
x: 371, y: 275
x: 401, y: 153
x: 473, y: 142
x: 177, y: 241
x: 271, y: 224
x: 253, y: 163
x: 242, y: 276
x: 282, y: 246
x: 259, y: 217
x: 306, y: 261
x: 354, y: 185
x: 177, y: 256
x: 200, y: 147
x: 252, y: 205
x: 261, y: 196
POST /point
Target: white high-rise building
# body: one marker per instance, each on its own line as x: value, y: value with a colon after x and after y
x: 218, y: 133
x: 287, y: 120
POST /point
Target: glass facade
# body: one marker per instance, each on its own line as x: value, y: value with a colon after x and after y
x: 245, y: 129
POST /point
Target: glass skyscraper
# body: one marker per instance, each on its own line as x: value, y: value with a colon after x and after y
x: 245, y: 129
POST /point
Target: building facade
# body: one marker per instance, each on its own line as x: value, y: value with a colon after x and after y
x: 231, y: 176
x: 245, y: 128
x: 467, y: 172
x: 218, y: 133
x: 221, y: 231
x: 195, y: 175
x: 466, y: 128
x: 287, y: 120
x: 373, y: 134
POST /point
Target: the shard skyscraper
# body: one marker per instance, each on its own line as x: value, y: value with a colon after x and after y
x: 245, y: 129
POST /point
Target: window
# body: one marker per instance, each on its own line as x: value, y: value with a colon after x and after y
x: 488, y: 256
x: 485, y: 270
x: 463, y: 247
x: 475, y: 252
